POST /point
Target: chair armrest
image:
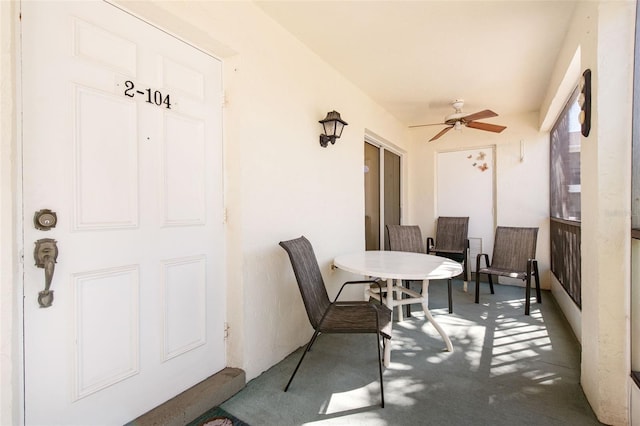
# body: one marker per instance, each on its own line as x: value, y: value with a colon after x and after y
x: 375, y: 282
x: 486, y: 260
x: 430, y: 244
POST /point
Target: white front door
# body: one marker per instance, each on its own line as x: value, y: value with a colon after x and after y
x: 122, y: 141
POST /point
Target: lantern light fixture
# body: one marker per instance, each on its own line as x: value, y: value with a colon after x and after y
x: 333, y: 126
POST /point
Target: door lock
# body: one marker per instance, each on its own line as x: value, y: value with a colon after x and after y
x: 45, y: 255
x: 45, y: 219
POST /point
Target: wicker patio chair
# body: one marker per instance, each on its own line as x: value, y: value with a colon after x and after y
x: 452, y: 241
x: 409, y: 238
x: 514, y: 252
x: 334, y: 317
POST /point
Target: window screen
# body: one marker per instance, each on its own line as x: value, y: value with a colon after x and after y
x: 565, y: 163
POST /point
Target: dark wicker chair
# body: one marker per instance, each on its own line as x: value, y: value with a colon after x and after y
x: 452, y: 241
x: 334, y: 317
x: 409, y: 238
x: 514, y: 252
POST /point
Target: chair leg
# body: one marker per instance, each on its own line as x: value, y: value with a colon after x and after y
x: 465, y: 271
x: 491, y: 283
x: 477, y: 286
x: 450, y: 296
x: 537, y: 276
x: 313, y: 339
x: 527, y: 297
x: 532, y: 269
x: 380, y: 366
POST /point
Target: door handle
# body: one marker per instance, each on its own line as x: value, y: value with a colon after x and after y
x: 46, y: 255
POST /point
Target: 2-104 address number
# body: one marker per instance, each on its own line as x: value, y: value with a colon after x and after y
x: 151, y: 96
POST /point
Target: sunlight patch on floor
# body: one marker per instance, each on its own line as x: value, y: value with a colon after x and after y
x: 363, y: 396
x: 399, y: 366
x: 397, y: 391
x: 363, y: 418
x: 543, y: 377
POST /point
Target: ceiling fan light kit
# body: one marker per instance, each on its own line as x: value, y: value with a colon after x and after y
x: 459, y: 119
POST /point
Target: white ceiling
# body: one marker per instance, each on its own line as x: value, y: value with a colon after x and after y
x: 415, y: 57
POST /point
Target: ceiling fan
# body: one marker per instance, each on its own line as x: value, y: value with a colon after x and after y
x: 459, y: 119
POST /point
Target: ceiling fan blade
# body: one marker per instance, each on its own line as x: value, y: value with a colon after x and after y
x: 442, y: 132
x: 424, y: 125
x: 480, y: 115
x: 486, y: 126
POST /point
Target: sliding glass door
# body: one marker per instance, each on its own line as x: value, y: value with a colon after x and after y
x: 382, y: 194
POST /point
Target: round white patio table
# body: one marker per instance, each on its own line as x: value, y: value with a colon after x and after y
x: 401, y: 265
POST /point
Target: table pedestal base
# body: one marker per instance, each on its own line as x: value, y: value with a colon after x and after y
x: 414, y: 297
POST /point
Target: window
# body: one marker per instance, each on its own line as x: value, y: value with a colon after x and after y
x: 565, y: 199
x: 565, y: 163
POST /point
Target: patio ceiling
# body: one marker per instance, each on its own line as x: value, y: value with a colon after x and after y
x: 415, y: 57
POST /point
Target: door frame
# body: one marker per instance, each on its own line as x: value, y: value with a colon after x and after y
x: 384, y: 145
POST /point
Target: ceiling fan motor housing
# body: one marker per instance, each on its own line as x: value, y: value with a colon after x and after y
x: 457, y: 105
x: 451, y: 119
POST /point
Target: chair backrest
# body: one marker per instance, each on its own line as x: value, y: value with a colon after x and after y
x: 405, y: 238
x: 513, y: 247
x: 310, y: 282
x: 452, y: 233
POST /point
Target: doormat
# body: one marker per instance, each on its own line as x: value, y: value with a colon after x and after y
x: 217, y: 417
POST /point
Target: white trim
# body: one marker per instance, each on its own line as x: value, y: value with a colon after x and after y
x: 379, y: 141
x: 564, y: 91
x: 162, y: 20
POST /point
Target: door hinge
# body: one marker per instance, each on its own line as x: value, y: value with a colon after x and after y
x: 226, y: 330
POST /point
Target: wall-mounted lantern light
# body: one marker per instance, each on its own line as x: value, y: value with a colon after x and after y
x: 333, y: 126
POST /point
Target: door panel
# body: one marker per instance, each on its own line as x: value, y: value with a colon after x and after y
x: 122, y: 139
x: 100, y: 148
x: 97, y: 295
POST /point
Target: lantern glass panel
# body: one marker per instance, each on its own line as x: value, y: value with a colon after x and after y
x: 329, y: 127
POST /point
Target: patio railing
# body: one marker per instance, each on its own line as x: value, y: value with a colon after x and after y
x: 565, y: 256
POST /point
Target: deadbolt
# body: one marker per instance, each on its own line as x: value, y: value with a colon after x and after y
x: 45, y: 219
